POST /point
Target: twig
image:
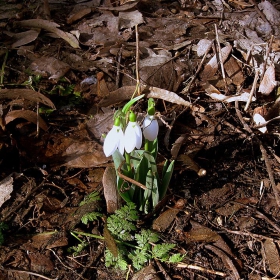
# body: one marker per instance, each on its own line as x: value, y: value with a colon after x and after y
x: 162, y: 270
x: 270, y: 173
x: 221, y: 59
x: 264, y: 155
x: 252, y: 91
x: 137, y: 58
x: 188, y: 86
x: 268, y: 50
x: 129, y: 179
x: 80, y: 276
x: 27, y: 272
x: 191, y: 266
x: 118, y: 67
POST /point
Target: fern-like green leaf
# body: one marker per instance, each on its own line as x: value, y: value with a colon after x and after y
x: 94, y: 196
x: 89, y: 217
x: 161, y: 251
x: 139, y: 258
x: 175, y: 258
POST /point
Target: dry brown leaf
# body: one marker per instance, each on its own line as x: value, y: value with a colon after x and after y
x: 27, y: 115
x: 110, y: 190
x: 51, y: 27
x: 167, y: 96
x: 272, y: 256
x: 202, y: 234
x: 110, y: 241
x: 50, y: 67
x: 6, y: 187
x: 234, y: 71
x: 78, y: 15
x: 28, y: 94
x: 165, y: 219
x: 226, y: 261
x: 268, y: 82
x: 24, y: 38
x: 212, y: 66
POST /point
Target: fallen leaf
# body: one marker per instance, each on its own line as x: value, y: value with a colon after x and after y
x: 51, y: 27
x: 27, y: 115
x: 271, y: 256
x: 110, y: 190
x: 6, y: 187
x: 212, y: 66
x: 268, y: 82
x: 28, y: 94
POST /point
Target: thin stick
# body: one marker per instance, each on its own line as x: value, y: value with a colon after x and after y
x: 191, y: 266
x: 252, y: 91
x: 221, y: 59
x: 188, y: 86
x: 28, y: 272
x: 129, y: 179
x: 268, y: 50
x: 137, y: 58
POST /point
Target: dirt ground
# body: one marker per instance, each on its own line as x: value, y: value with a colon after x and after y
x: 212, y: 67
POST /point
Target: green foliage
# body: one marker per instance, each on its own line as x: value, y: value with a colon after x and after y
x: 89, y: 217
x: 122, y: 223
x: 3, y: 227
x: 94, y: 196
x: 135, y: 247
x: 75, y: 250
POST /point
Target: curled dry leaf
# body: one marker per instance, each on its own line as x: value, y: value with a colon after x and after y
x: 268, y: 82
x: 51, y: 27
x: 27, y: 94
x: 27, y: 115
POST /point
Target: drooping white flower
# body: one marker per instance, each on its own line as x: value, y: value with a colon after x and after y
x: 132, y: 134
x: 114, y: 140
x: 132, y: 137
x: 150, y: 127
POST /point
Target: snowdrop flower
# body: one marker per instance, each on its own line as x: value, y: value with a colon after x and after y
x: 114, y: 140
x: 132, y: 135
x: 150, y: 128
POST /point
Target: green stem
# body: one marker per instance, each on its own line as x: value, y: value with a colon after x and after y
x: 102, y: 237
x: 127, y: 160
x: 147, y: 145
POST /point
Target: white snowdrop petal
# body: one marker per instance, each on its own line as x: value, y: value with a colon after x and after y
x: 138, y: 133
x: 132, y: 137
x: 150, y: 128
x: 111, y: 142
x: 121, y: 142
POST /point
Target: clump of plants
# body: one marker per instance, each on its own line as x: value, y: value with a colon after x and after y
x: 141, y: 187
x: 138, y: 179
x: 127, y: 244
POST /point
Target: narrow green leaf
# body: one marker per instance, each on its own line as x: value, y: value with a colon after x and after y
x: 131, y: 102
x: 166, y: 180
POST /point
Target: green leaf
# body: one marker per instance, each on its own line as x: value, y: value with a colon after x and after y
x: 94, y: 196
x: 131, y: 102
x: 139, y: 258
x: 166, y: 180
x: 161, y: 251
x: 89, y: 217
x: 175, y: 258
